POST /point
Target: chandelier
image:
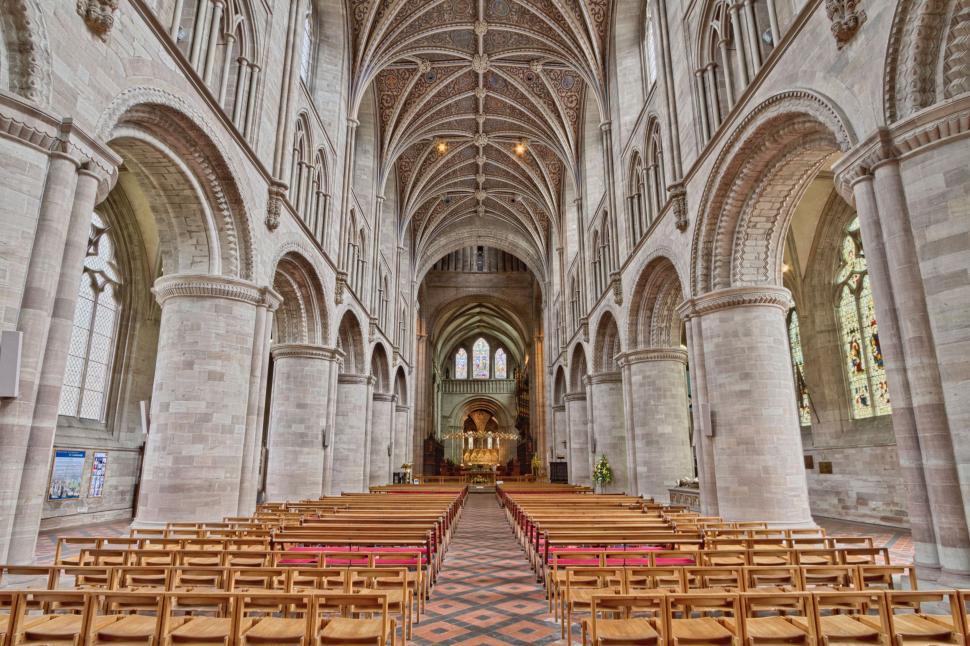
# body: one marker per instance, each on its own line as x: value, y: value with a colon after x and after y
x: 480, y: 435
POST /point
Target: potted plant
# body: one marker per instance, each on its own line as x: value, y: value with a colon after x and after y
x: 602, y: 473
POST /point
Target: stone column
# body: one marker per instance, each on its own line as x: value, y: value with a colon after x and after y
x: 609, y: 427
x: 194, y: 451
x: 43, y: 270
x: 402, y: 437
x: 350, y: 429
x: 381, y: 424
x: 661, y: 428
x: 297, y: 421
x: 757, y: 446
x: 579, y: 472
x: 919, y: 335
x: 255, y: 411
x: 36, y: 465
x: 703, y: 431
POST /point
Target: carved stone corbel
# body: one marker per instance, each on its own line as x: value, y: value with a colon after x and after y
x: 99, y: 15
x: 340, y: 283
x: 274, y: 204
x: 847, y: 17
x: 616, y: 284
x: 678, y: 202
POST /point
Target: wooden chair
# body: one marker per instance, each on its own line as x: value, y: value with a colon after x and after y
x: 52, y: 626
x: 581, y: 585
x: 291, y: 627
x: 391, y: 582
x: 714, y: 579
x: 139, y: 578
x: 912, y: 626
x: 776, y: 619
x: 219, y: 626
x: 628, y: 619
x: 772, y: 579
x: 351, y: 627
x: 829, y: 578
x: 884, y: 577
x: 650, y: 580
x: 840, y: 620
x: 704, y: 629
x: 139, y: 618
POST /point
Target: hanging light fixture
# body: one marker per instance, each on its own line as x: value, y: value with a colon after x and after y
x: 441, y: 145
x: 520, y: 148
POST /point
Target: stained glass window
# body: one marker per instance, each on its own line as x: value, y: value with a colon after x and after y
x: 480, y: 359
x: 798, y: 366
x: 94, y: 335
x: 461, y: 364
x: 501, y: 370
x: 651, y: 43
x: 865, y: 369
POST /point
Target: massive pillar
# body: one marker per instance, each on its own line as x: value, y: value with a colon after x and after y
x: 755, y: 439
x: 609, y: 427
x: 297, y: 421
x: 348, y: 446
x: 194, y: 449
x: 579, y: 472
x: 50, y: 378
x: 659, y: 412
x: 382, y: 423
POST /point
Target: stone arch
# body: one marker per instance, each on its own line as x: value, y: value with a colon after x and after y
x: 302, y: 315
x: 149, y: 121
x: 559, y: 387
x: 25, y: 64
x: 577, y: 369
x: 754, y: 185
x: 401, y: 386
x: 350, y: 341
x: 607, y: 344
x: 380, y: 369
x: 654, y: 322
x: 928, y: 56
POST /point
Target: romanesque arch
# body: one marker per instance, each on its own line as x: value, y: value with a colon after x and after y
x: 754, y: 185
x: 350, y: 341
x: 202, y: 220
x: 653, y: 319
x: 928, y: 56
x: 380, y: 370
x: 302, y: 314
x: 607, y: 345
x: 577, y: 369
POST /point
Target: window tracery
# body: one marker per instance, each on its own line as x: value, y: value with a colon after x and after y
x: 798, y: 368
x: 461, y: 364
x: 501, y: 367
x: 480, y: 359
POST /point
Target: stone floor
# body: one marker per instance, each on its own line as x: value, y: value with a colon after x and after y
x: 486, y: 594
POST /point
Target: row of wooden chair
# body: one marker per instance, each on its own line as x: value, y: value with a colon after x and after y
x: 401, y: 586
x: 151, y: 618
x: 753, y: 619
x: 575, y: 584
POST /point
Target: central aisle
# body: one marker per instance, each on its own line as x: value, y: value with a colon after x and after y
x: 486, y: 593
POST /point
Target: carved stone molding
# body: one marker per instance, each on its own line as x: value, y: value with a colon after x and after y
x: 360, y: 380
x: 274, y: 204
x: 559, y: 408
x: 384, y: 397
x: 574, y: 397
x: 740, y: 297
x: 372, y: 329
x: 306, y: 351
x: 207, y: 286
x: 847, y: 17
x: 402, y: 408
x: 29, y: 49
x: 644, y: 355
x: 612, y: 377
x: 584, y: 328
x: 99, y: 15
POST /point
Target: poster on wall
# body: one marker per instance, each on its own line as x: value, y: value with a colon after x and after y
x: 97, y: 474
x: 66, y: 475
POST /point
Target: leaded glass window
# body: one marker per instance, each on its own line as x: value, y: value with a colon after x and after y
x: 461, y: 364
x: 480, y: 358
x: 862, y: 353
x: 501, y: 369
x: 651, y: 45
x: 798, y: 367
x: 94, y: 335
x: 306, y: 53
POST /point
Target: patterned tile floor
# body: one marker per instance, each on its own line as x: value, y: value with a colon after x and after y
x: 486, y: 594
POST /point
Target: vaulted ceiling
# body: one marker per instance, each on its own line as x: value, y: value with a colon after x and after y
x: 459, y: 84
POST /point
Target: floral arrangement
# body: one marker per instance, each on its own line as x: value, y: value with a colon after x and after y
x: 536, y: 463
x: 603, y: 472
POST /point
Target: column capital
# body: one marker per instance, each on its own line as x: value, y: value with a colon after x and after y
x: 210, y: 286
x: 574, y: 397
x: 611, y: 377
x: 384, y: 397
x: 769, y: 295
x: 652, y: 354
x: 364, y: 380
x: 306, y: 351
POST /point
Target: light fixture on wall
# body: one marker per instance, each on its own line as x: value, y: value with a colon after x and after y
x: 785, y: 267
